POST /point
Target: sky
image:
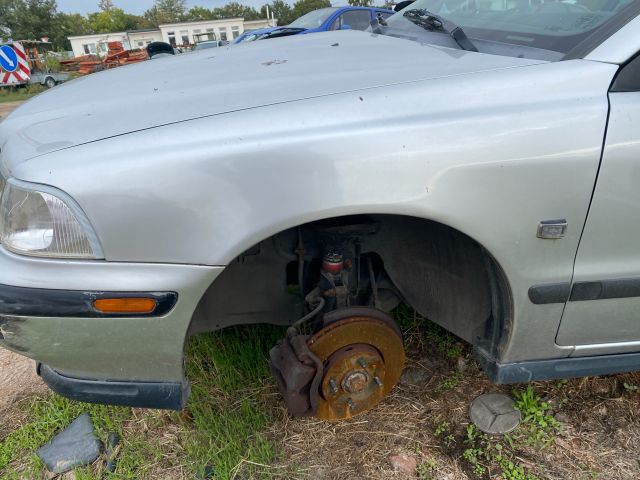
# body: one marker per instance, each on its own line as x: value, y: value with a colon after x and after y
x: 139, y: 6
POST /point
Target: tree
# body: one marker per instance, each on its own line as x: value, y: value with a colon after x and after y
x: 235, y: 10
x: 105, y: 5
x: 33, y: 19
x: 361, y: 3
x: 281, y: 10
x: 199, y: 13
x: 112, y: 20
x: 302, y: 7
x: 7, y: 18
x: 69, y: 24
x: 166, y: 11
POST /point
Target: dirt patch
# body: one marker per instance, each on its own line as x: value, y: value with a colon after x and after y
x: 7, y: 108
x: 18, y: 378
x: 426, y: 418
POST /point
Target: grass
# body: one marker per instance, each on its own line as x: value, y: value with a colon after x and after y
x: 220, y: 433
x: 234, y: 426
x: 11, y: 94
x: 538, y: 429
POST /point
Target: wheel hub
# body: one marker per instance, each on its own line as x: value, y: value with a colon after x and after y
x: 363, y: 358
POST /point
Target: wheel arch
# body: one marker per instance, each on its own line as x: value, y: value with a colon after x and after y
x: 455, y: 263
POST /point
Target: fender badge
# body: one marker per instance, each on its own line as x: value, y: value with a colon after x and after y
x: 552, y: 229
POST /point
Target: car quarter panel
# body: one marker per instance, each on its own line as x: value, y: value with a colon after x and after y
x: 490, y: 154
x: 131, y: 349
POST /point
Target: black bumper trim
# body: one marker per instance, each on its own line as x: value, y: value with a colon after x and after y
x: 160, y: 395
x: 568, y: 367
x: 42, y: 302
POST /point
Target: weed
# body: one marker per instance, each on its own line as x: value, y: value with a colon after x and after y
x: 222, y: 429
x: 426, y: 469
x: 631, y: 388
x: 484, y: 451
x: 540, y: 426
x: 226, y: 415
x: 445, y: 342
x: 450, y: 382
x: 48, y: 416
x: 441, y: 428
x: 12, y: 94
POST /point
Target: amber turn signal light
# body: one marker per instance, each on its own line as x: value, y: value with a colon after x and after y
x: 125, y: 305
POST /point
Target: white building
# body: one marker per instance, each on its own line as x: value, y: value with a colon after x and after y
x: 177, y: 34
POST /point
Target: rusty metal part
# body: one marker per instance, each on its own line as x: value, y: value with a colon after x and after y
x: 344, y: 346
x: 298, y: 373
x: 358, y: 311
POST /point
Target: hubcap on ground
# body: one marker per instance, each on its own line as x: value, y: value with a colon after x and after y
x: 363, y: 358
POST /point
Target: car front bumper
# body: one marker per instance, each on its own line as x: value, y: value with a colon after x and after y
x: 45, y: 315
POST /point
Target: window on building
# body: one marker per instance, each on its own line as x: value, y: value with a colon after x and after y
x: 172, y: 38
x: 140, y: 44
x: 184, y: 35
x: 223, y: 34
x: 89, y: 48
x: 235, y: 32
x: 104, y: 48
x: 197, y: 31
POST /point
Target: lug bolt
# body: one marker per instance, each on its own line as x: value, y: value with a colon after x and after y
x: 378, y: 381
x: 362, y: 363
x: 334, y: 386
x: 351, y: 404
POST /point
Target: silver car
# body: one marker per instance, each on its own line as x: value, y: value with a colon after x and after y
x: 477, y: 160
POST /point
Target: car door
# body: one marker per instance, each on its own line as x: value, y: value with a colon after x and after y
x: 354, y: 19
x: 603, y: 311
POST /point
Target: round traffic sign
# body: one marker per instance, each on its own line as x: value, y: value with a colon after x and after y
x: 8, y: 59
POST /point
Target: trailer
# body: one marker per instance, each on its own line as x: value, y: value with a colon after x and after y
x: 25, y: 63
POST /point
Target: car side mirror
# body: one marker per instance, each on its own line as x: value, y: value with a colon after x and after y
x: 345, y: 27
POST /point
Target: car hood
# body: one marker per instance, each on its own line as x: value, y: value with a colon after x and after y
x: 176, y: 89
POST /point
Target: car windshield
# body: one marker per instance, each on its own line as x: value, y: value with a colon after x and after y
x: 205, y: 45
x: 558, y: 26
x: 313, y: 19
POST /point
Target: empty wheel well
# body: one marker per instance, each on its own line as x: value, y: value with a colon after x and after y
x: 445, y: 275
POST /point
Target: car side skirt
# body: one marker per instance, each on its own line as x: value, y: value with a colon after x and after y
x: 157, y: 395
x: 569, y: 367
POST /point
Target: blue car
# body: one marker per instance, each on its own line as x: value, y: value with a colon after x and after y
x: 322, y: 20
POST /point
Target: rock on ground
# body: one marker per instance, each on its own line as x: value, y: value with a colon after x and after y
x: 404, y: 463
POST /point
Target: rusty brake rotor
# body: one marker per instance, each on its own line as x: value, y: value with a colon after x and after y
x: 363, y: 357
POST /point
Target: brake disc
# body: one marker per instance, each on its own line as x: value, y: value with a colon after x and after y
x: 363, y: 358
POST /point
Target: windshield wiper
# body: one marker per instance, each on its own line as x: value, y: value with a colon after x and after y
x: 435, y: 23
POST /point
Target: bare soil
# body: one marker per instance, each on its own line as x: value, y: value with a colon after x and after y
x: 600, y: 423
x: 6, y: 108
x: 18, y: 379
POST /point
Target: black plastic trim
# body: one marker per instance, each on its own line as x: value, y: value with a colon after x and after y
x: 159, y: 395
x: 570, y: 367
x: 550, y: 293
x: 605, y: 289
x: 41, y: 302
x: 585, y: 291
x: 628, y: 77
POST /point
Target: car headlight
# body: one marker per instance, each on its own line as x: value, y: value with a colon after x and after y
x: 40, y: 221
